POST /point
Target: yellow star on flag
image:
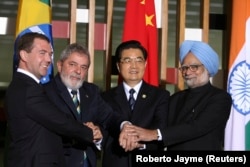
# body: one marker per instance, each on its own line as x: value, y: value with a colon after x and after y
x: 143, y: 2
x: 141, y: 14
x: 149, y: 20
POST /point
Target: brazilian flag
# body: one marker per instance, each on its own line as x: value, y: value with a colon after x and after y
x: 34, y: 16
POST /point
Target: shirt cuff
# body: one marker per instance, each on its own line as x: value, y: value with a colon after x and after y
x: 98, y: 144
x: 123, y: 124
x: 159, y: 135
x: 143, y: 147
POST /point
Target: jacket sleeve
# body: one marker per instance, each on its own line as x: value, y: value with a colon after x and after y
x: 41, y: 110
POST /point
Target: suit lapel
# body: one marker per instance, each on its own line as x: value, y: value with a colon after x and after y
x: 142, y: 99
x: 84, y: 103
x: 66, y: 96
x: 121, y: 99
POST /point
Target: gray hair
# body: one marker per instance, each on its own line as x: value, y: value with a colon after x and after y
x: 74, y: 47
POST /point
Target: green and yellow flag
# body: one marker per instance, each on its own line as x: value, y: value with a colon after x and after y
x: 34, y: 16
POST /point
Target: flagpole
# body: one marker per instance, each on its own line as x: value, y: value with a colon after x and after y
x: 73, y: 5
x: 91, y: 38
x: 181, y: 17
x: 109, y: 6
x: 205, y: 19
x: 164, y: 42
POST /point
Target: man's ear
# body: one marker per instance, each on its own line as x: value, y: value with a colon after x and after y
x: 59, y: 65
x: 23, y: 55
x: 117, y: 66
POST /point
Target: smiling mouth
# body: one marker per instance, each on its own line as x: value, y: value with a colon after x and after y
x: 46, y: 65
x: 188, y: 78
x: 75, y: 78
x: 133, y: 72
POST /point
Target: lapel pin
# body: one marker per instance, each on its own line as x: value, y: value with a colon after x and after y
x: 87, y: 96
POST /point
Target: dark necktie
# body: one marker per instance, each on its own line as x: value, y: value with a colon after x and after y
x: 131, y: 99
x: 76, y: 101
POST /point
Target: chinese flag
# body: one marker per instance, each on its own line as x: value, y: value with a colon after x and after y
x: 140, y: 24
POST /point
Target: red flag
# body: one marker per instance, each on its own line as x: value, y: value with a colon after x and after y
x: 140, y: 24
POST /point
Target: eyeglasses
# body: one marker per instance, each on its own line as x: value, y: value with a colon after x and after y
x: 192, y: 68
x: 128, y: 60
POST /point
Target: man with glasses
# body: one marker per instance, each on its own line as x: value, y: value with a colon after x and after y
x: 144, y: 106
x: 197, y: 115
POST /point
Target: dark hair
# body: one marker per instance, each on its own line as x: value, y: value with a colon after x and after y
x: 127, y: 45
x: 25, y: 42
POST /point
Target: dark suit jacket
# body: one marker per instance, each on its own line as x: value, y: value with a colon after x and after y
x: 93, y: 109
x: 150, y: 111
x: 197, y: 119
x: 34, y: 124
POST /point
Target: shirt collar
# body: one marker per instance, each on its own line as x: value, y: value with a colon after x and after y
x: 136, y: 88
x: 78, y: 95
x: 29, y: 74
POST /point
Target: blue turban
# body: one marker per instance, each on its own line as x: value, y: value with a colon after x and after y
x: 202, y: 51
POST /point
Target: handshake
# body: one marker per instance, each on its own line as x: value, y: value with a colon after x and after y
x: 131, y: 137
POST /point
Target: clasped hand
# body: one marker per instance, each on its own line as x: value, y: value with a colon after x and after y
x: 97, y: 134
x: 131, y: 136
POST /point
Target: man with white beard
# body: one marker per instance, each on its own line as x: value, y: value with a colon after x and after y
x: 70, y: 81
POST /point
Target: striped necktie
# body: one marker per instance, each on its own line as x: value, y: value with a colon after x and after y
x: 77, y: 104
x: 76, y: 101
x: 131, y: 99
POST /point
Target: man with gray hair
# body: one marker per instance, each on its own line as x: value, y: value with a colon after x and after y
x: 197, y: 115
x: 81, y: 101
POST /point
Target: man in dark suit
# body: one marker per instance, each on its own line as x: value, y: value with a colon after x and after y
x: 197, y: 116
x: 34, y: 123
x: 72, y: 71
x: 148, y: 108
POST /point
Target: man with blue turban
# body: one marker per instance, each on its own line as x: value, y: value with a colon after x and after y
x: 197, y: 115
x: 202, y: 51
